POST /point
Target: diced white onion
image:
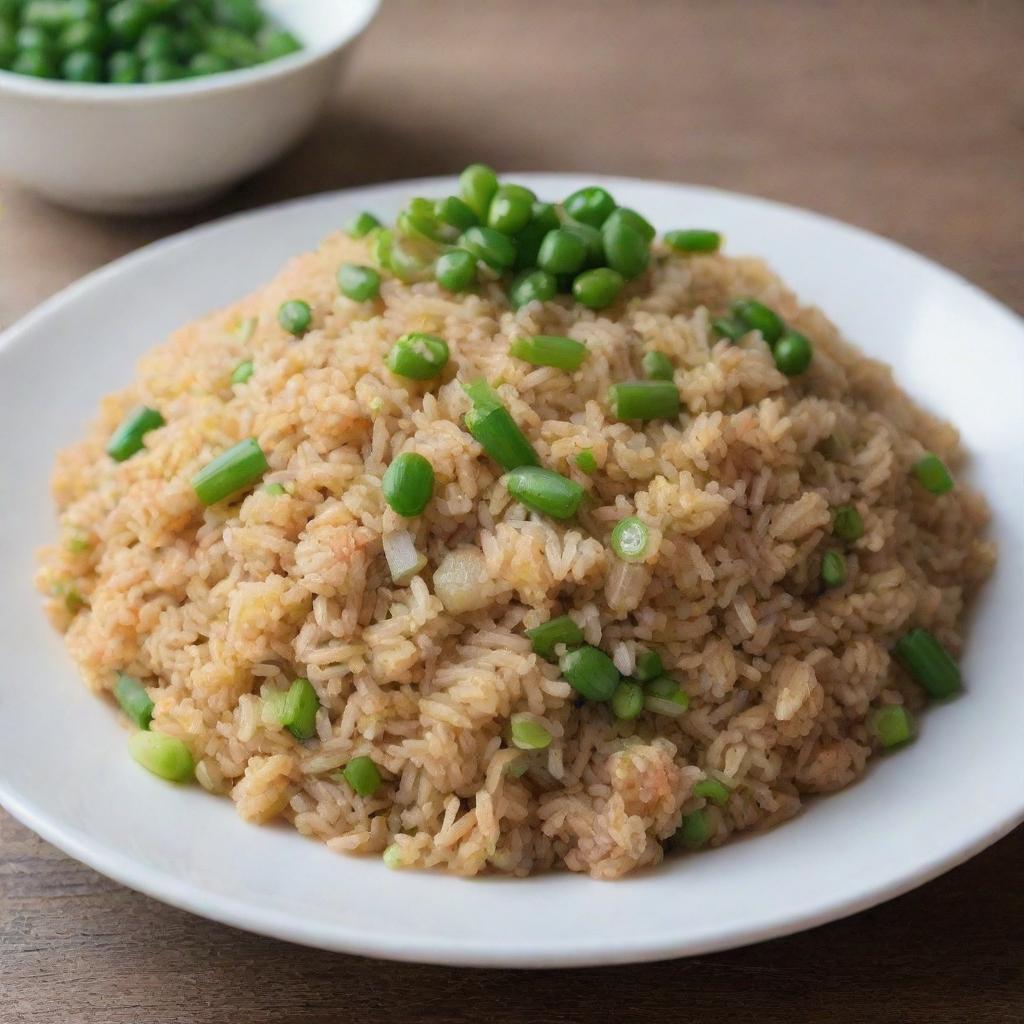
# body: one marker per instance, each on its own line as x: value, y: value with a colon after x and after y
x: 403, y: 559
x: 663, y: 706
x: 625, y: 585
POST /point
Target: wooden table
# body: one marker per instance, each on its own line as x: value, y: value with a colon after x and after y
x: 904, y: 118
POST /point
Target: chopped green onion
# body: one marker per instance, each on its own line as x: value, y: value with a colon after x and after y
x: 727, y: 327
x: 891, y: 725
x: 528, y: 734
x: 756, y: 316
x: 419, y: 219
x: 295, y: 316
x: 648, y: 666
x: 666, y: 697
x: 245, y: 329
x: 833, y: 569
x: 162, y: 755
x: 361, y: 284
x: 549, y: 350
x: 134, y: 700
x: 382, y: 241
x: 713, y: 790
x: 932, y: 474
x: 644, y: 400
x: 657, y: 366
x: 418, y: 356
x: 494, y: 429
x: 297, y: 709
x: 361, y: 225
x: 544, y: 491
x: 241, y: 465
x: 546, y: 637
x: 695, y: 830
x: 585, y: 461
x: 630, y: 539
x: 79, y: 544
x: 275, y: 489
x: 627, y: 700
x: 792, y: 353
x: 847, y: 523
x: 928, y: 662
x: 590, y: 672
x: 392, y: 857
x: 519, y: 767
x: 362, y: 775
x: 243, y: 371
x: 408, y: 484
x: 127, y: 439
x: 693, y: 240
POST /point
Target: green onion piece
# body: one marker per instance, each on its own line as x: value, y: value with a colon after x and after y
x: 544, y: 491
x: 362, y: 775
x: 519, y: 767
x: 408, y: 484
x: 494, y: 429
x: 630, y: 539
x: 382, y: 241
x: 528, y: 734
x: 241, y: 465
x: 134, y: 700
x: 549, y: 350
x: 361, y: 225
x: 245, y: 329
x: 756, y: 316
x: 657, y: 366
x: 932, y: 474
x: 590, y: 672
x: 79, y: 544
x: 392, y: 857
x: 727, y: 327
x: 648, y: 666
x: 585, y: 461
x: 295, y: 316
x: 127, y: 439
x: 361, y: 284
x: 695, y: 830
x: 243, y: 371
x: 891, y: 725
x: 275, y: 489
x: 297, y: 711
x: 627, y: 700
x: 418, y: 356
x: 162, y: 755
x: 833, y: 569
x: 713, y: 790
x: 847, y: 523
x: 666, y: 697
x: 693, y: 240
x: 644, y: 400
x: 546, y: 637
x: 928, y: 662
x: 419, y: 218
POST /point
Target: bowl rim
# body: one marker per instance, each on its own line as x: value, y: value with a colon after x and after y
x: 220, y: 82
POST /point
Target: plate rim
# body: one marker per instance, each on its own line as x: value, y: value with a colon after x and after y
x: 443, y: 949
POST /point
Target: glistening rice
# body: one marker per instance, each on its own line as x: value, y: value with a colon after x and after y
x: 207, y: 607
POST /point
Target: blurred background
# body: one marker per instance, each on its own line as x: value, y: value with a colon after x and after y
x: 905, y: 118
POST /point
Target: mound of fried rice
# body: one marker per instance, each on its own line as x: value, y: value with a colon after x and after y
x: 212, y: 607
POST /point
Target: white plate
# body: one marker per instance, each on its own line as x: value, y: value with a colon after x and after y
x: 65, y: 770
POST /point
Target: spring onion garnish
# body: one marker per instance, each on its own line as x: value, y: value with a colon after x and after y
x: 492, y: 426
x: 134, y: 700
x: 657, y: 366
x: 362, y: 775
x: 693, y: 240
x: 590, y: 672
x: 549, y: 350
x: 932, y: 474
x: 546, y: 637
x: 127, y: 439
x: 237, y: 468
x: 891, y: 725
x: 631, y: 539
x: 162, y: 755
x: 418, y: 356
x: 528, y: 734
x: 544, y: 491
x: 627, y: 700
x: 644, y: 400
x: 928, y: 662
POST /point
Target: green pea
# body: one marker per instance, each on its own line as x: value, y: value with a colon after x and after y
x: 562, y: 252
x: 8, y: 47
x: 510, y: 210
x: 123, y: 68
x: 792, y: 353
x: 591, y: 205
x: 82, y: 66
x: 209, y: 64
x: 543, y: 220
x: 279, y: 43
x: 186, y: 43
x: 243, y: 15
x: 362, y: 775
x: 455, y: 213
x: 657, y: 366
x: 455, y: 270
x: 30, y: 37
x: 408, y: 484
x: 418, y: 356
x: 591, y: 239
x: 361, y: 225
x: 477, y: 186
x: 157, y: 43
x: 231, y: 45
x: 128, y: 19
x: 361, y: 284
x: 157, y: 71
x: 37, y: 63
x: 295, y: 316
x: 756, y: 316
x: 625, y: 249
x: 55, y: 15
x: 411, y: 259
x: 598, y: 288
x: 627, y: 700
x: 532, y: 286
x: 83, y: 35
x: 493, y: 247
x: 624, y: 215
x: 418, y: 218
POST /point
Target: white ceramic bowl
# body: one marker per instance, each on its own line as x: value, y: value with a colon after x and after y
x: 64, y: 765
x: 155, y: 148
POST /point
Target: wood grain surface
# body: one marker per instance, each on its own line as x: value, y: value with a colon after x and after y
x: 902, y: 117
